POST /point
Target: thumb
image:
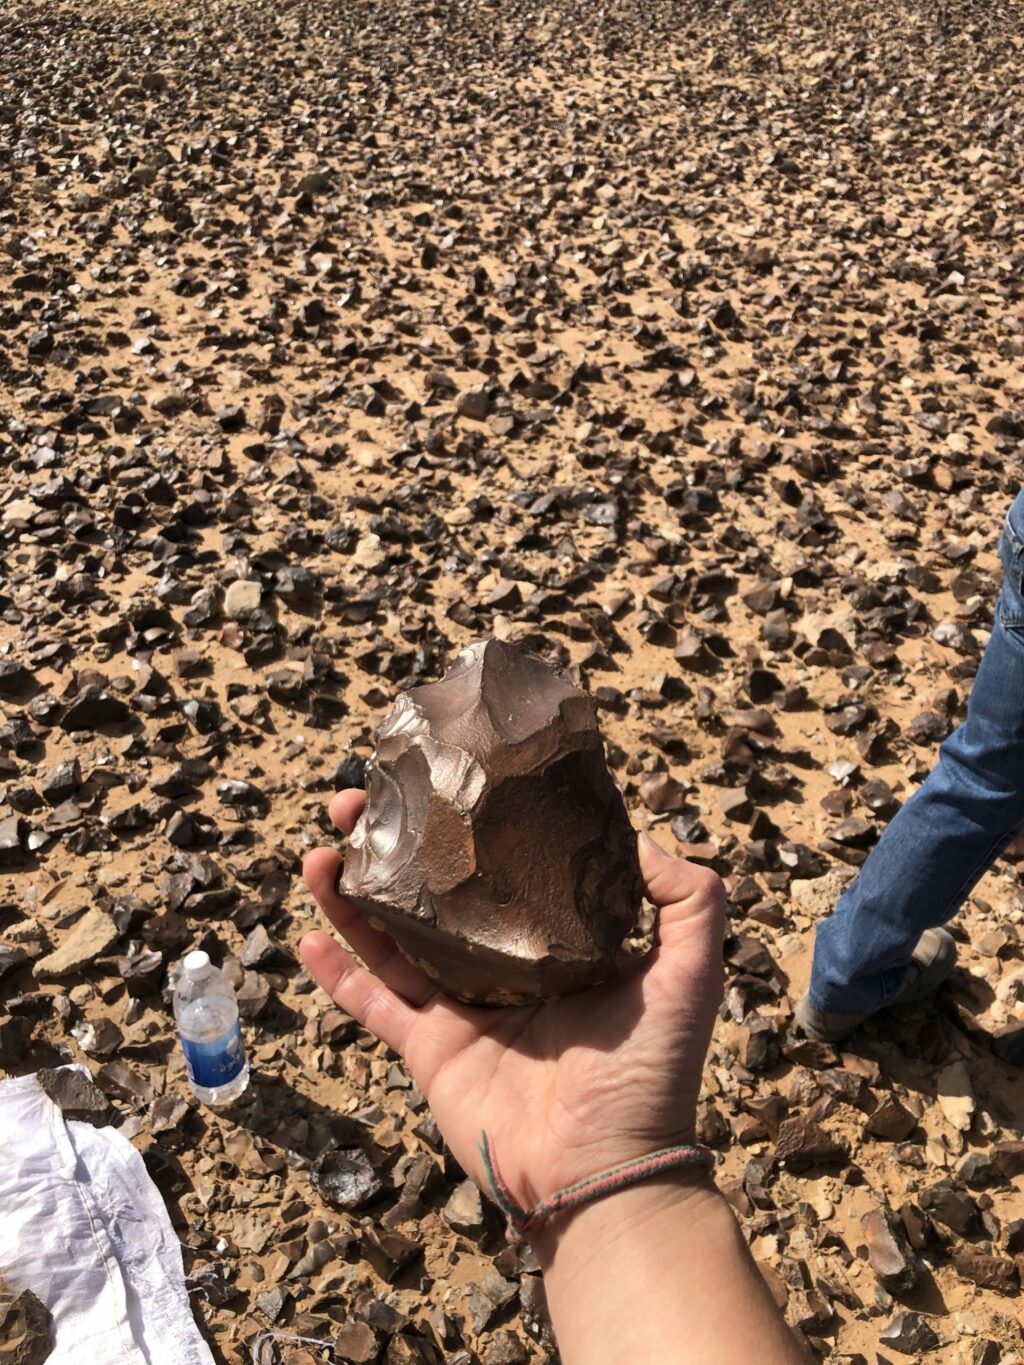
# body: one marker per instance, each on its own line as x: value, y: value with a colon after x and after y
x: 690, y: 901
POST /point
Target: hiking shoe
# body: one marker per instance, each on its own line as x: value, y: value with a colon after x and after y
x: 932, y: 961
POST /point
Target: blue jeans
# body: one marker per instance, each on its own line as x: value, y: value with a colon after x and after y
x: 950, y: 831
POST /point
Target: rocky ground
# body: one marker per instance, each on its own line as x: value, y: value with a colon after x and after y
x: 682, y: 341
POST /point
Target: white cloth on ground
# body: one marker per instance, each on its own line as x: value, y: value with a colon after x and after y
x: 83, y: 1226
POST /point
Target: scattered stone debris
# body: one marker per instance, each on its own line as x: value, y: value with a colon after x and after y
x: 26, y: 1328
x: 683, y: 350
x: 909, y: 1334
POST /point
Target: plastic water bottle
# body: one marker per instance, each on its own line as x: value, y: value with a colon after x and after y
x: 207, y: 1015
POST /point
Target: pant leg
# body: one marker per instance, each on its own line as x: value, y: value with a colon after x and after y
x: 946, y: 836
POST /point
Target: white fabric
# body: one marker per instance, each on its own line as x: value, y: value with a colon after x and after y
x: 84, y: 1227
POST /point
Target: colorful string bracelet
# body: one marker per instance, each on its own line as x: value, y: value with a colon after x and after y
x: 523, y: 1222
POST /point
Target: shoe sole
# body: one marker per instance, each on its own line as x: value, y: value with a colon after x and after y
x: 935, y: 973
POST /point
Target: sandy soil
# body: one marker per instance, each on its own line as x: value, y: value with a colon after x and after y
x: 680, y: 341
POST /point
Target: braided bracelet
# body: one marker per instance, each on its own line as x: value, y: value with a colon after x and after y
x: 522, y: 1222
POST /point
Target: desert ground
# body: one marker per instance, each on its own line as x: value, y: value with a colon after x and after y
x: 681, y: 342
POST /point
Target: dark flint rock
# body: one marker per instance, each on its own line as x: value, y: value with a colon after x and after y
x: 802, y: 1143
x: 909, y: 1334
x: 75, y: 1095
x: 95, y: 707
x: 888, y: 1253
x: 346, y: 1179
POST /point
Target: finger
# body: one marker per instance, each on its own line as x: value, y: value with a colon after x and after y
x: 346, y: 807
x: 691, y: 901
x: 680, y: 889
x: 356, y: 990
x: 320, y: 872
x: 427, y: 1039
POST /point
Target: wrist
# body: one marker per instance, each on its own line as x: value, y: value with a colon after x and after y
x: 621, y: 1219
x: 660, y: 1272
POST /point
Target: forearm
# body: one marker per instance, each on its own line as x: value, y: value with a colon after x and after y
x: 660, y: 1275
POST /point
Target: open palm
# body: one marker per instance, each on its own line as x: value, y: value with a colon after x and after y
x: 563, y: 1088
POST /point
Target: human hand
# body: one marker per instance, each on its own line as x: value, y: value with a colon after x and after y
x: 563, y: 1088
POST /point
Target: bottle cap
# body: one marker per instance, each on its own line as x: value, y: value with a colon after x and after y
x: 197, y: 965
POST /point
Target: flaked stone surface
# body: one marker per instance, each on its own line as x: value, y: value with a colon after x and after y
x: 495, y: 847
x: 26, y: 1327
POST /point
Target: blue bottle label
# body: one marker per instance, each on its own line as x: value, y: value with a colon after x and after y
x: 214, y: 1063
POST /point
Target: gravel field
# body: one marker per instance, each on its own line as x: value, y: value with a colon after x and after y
x: 682, y: 342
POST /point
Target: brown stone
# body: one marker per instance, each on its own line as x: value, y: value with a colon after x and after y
x: 770, y: 1110
x: 712, y: 1128
x: 1009, y: 1158
x: 985, y: 1353
x: 356, y: 1344
x: 777, y: 1286
x: 807, y: 1052
x: 495, y: 848
x: 120, y: 1081
x: 75, y: 1094
x: 464, y: 1210
x: 892, y: 1121
x: 810, y: 1312
x: 759, y: 1045
x: 168, y: 1113
x: 411, y: 1350
x: 507, y: 1349
x: 26, y: 1328
x: 487, y: 1298
x: 90, y: 937
x: 986, y: 1271
x: 388, y: 1252
x: 888, y: 1254
x: 945, y: 1203
x: 915, y: 1225
x: 802, y: 1143
x: 662, y: 793
x: 909, y: 1334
